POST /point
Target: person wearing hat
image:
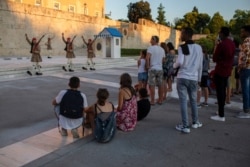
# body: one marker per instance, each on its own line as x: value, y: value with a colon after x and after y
x: 90, y: 52
x: 49, y: 47
x: 36, y: 57
x: 69, y: 48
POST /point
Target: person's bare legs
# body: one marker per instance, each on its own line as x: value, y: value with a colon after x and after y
x: 160, y: 93
x: 139, y: 85
x: 164, y: 89
x: 228, y: 95
x: 169, y: 81
x: 206, y: 93
x: 144, y: 84
x: 152, y: 94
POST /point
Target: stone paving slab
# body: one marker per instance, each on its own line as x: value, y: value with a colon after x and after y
x: 12, y: 68
x: 155, y: 142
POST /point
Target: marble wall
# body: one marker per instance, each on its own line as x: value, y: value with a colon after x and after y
x: 17, y: 19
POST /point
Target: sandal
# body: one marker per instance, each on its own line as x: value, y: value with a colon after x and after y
x: 169, y: 90
x: 160, y: 103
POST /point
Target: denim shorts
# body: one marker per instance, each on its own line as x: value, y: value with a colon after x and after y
x: 143, y: 76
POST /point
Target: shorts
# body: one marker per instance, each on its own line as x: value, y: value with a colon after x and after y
x: 155, y: 77
x: 143, y: 76
x: 204, y: 81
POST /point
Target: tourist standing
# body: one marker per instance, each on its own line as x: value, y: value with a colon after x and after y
x: 168, y: 68
x: 142, y: 71
x: 154, y: 60
x: 204, y: 79
x: 223, y: 57
x: 189, y: 62
x: 244, y: 69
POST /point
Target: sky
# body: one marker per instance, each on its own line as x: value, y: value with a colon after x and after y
x: 178, y: 8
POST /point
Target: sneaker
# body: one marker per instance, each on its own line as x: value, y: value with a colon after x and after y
x: 196, y: 125
x: 49, y: 57
x: 84, y: 68
x: 75, y: 133
x: 204, y: 104
x: 199, y: 106
x: 28, y: 72
x: 70, y: 70
x: 218, y: 118
x: 242, y: 114
x: 181, y: 128
x: 63, y: 67
x: 64, y: 132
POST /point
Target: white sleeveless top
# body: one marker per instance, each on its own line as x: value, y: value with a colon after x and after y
x: 142, y: 66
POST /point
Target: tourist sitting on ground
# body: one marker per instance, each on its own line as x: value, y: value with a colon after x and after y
x: 143, y: 105
x: 102, y: 117
x: 69, y: 108
x: 126, y: 117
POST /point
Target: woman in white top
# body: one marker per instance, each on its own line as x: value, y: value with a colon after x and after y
x: 142, y: 72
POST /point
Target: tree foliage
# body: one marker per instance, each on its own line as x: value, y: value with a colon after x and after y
x: 195, y: 9
x: 216, y: 23
x: 195, y: 20
x: 207, y: 43
x: 161, y: 15
x: 240, y: 18
x: 202, y: 21
x: 139, y: 10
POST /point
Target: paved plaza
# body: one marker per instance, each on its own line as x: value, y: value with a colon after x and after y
x: 29, y: 135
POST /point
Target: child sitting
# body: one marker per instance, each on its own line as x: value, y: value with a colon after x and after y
x: 143, y: 105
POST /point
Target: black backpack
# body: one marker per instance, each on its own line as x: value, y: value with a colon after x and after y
x: 71, y: 105
x: 105, y: 129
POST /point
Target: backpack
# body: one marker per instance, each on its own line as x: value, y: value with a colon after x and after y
x: 71, y: 105
x: 105, y: 129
